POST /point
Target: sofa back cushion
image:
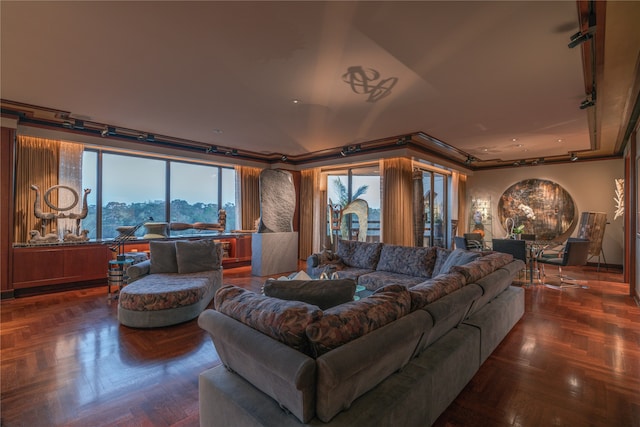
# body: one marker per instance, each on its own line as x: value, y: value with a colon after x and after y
x: 285, y: 321
x: 163, y: 257
x: 435, y: 288
x: 409, y: 260
x: 359, y: 254
x: 458, y: 257
x: 347, y: 322
x: 198, y: 255
x: 441, y: 257
x: 482, y: 266
x: 323, y: 293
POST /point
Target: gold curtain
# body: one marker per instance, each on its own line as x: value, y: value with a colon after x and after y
x: 463, y: 217
x: 37, y: 162
x: 248, y: 196
x: 397, y: 201
x: 309, y: 213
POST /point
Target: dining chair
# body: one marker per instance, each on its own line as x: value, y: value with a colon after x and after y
x: 575, y: 253
x: 517, y: 248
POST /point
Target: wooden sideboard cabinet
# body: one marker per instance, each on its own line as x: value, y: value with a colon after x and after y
x: 35, y: 266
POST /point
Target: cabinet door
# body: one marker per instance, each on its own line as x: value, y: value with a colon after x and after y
x: 56, y: 265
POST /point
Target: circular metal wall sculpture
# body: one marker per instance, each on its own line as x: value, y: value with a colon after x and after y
x: 543, y: 207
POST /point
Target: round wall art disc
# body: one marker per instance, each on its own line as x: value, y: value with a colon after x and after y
x: 543, y: 207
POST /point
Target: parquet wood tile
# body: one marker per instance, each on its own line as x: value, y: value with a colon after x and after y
x: 573, y: 360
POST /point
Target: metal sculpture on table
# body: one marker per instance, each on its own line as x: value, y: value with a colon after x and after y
x: 360, y: 208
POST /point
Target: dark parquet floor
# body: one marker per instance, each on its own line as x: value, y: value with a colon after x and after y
x: 573, y: 360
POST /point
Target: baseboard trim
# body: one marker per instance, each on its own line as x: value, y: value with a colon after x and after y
x: 49, y: 289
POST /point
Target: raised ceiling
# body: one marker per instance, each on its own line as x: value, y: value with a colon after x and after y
x: 496, y: 80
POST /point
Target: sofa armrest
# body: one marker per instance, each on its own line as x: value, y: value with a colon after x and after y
x: 138, y: 270
x: 285, y: 374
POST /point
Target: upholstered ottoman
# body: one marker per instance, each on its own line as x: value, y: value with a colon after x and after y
x: 174, y: 286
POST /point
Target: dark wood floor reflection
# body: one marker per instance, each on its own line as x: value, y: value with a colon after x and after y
x: 573, y: 360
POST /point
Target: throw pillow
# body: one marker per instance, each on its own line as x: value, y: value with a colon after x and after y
x: 163, y: 257
x: 198, y: 255
x: 323, y: 293
x: 458, y: 257
x: 285, y: 321
x: 359, y: 254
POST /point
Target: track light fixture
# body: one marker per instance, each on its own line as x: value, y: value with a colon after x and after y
x: 580, y: 37
x: 350, y: 149
x: 589, y: 102
x: 403, y: 140
x: 573, y: 157
x: 284, y: 158
x: 212, y: 149
x: 469, y: 160
x: 142, y: 137
x: 151, y: 138
x: 104, y: 132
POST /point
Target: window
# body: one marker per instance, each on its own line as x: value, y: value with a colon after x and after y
x: 343, y: 187
x: 435, y: 202
x: 127, y: 189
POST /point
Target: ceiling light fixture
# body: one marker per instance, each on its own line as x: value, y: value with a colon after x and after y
x: 151, y: 138
x: 470, y: 159
x: 212, y: 149
x: 573, y: 157
x: 283, y: 158
x: 104, y: 132
x: 142, y: 137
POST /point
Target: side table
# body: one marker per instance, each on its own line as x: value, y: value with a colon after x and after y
x: 117, y: 276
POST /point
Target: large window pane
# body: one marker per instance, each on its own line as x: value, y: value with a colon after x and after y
x: 133, y: 190
x: 194, y: 195
x: 229, y: 197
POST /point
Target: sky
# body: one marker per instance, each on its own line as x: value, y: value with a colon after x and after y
x: 135, y: 179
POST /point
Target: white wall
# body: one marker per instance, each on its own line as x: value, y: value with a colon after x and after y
x: 590, y: 184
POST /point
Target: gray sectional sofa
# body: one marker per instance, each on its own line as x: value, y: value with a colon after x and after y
x: 397, y: 357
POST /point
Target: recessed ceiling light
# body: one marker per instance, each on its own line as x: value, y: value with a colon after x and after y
x: 295, y: 101
x: 485, y: 149
x: 559, y: 140
x: 218, y: 131
x: 520, y: 145
x: 514, y: 139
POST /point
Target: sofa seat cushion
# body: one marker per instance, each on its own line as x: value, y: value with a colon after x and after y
x: 347, y: 322
x: 433, y: 289
x: 352, y: 273
x: 378, y: 279
x: 164, y: 291
x: 412, y: 261
x: 285, y: 321
x: 359, y: 254
x: 323, y: 293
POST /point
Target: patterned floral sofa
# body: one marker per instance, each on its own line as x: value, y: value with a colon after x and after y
x: 397, y: 357
x: 174, y: 286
